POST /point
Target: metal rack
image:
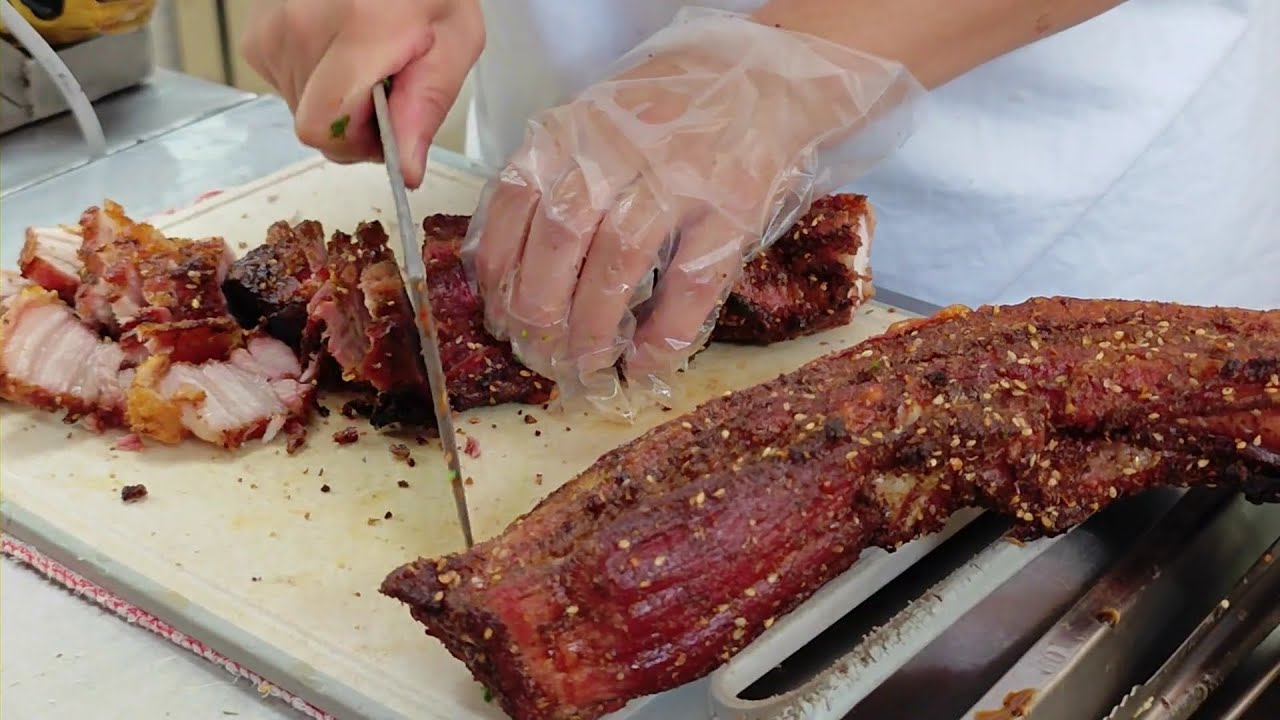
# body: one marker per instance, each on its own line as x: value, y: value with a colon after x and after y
x: 1158, y: 609
x: 1070, y: 628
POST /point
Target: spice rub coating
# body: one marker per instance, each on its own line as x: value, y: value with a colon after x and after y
x: 1047, y: 411
x: 810, y: 280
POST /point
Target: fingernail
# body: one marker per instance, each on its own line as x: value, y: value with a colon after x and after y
x: 418, y: 158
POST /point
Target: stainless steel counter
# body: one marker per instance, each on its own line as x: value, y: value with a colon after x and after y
x: 242, y: 142
x: 168, y: 101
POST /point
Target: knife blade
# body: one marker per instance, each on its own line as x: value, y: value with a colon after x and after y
x: 415, y: 272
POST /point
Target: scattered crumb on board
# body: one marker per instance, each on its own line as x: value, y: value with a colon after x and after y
x: 133, y: 493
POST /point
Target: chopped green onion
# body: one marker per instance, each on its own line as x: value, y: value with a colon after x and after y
x: 338, y: 128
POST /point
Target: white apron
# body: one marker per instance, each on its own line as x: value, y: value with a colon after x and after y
x: 1136, y: 155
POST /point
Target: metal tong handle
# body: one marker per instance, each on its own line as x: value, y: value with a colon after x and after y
x: 1233, y: 629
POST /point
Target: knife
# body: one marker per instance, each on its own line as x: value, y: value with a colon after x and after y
x: 415, y: 271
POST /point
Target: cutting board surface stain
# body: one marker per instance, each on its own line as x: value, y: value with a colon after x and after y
x: 254, y: 537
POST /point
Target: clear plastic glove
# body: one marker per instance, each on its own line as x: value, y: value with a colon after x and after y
x: 618, y: 229
x: 325, y: 56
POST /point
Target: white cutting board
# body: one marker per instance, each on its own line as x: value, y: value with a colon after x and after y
x: 244, y: 550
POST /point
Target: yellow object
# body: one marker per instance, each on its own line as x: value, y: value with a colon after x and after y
x: 63, y: 22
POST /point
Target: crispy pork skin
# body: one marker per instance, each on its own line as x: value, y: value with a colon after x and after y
x: 110, y: 292
x: 50, y: 360
x: 50, y: 258
x: 271, y: 285
x: 254, y: 394
x: 11, y: 284
x: 672, y: 553
x: 157, y: 295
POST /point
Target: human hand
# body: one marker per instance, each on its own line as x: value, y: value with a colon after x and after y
x: 708, y: 141
x: 325, y: 56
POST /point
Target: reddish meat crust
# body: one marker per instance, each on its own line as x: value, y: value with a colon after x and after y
x: 363, y: 316
x: 808, y: 281
x: 479, y: 369
x: 157, y: 295
x: 1047, y: 411
x: 271, y: 285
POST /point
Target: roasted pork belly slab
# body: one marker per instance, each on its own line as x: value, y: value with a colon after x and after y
x: 158, y: 295
x: 50, y: 258
x: 271, y: 285
x: 254, y: 394
x: 672, y: 553
x: 50, y: 360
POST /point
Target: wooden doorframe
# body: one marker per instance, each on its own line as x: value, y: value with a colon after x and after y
x: 200, y: 51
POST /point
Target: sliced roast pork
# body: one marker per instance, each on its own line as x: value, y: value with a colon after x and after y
x: 50, y: 360
x: 50, y: 258
x: 363, y: 317
x: 254, y: 394
x: 359, y: 318
x: 11, y: 284
x: 157, y: 295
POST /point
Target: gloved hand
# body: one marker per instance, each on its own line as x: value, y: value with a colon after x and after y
x: 618, y: 229
x: 325, y: 56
